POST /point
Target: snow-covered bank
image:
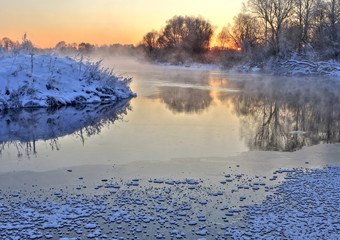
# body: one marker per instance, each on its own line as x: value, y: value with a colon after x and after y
x: 294, y: 67
x: 49, y: 81
x: 289, y: 67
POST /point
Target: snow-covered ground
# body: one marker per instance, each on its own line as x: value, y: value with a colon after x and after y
x: 305, y: 206
x: 48, y: 81
x: 294, y: 67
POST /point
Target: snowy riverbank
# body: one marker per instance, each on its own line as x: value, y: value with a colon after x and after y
x: 288, y: 67
x: 49, y: 81
x: 294, y: 67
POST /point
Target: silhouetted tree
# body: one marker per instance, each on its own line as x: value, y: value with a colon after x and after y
x: 61, y: 45
x: 244, y: 32
x: 7, y: 44
x: 198, y: 37
x: 150, y: 41
x: 87, y: 47
x: 223, y: 38
x: 192, y: 34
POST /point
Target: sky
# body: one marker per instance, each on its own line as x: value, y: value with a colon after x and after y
x: 48, y: 22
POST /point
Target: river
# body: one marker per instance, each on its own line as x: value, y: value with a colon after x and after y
x: 186, y: 124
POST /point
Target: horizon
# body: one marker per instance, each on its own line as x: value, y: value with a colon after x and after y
x: 104, y: 21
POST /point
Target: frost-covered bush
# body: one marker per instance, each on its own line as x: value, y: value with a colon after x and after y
x: 28, y: 80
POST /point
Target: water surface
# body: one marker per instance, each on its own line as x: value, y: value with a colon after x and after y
x: 193, y: 143
x: 179, y: 113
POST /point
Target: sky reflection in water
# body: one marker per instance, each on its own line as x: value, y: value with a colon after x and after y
x: 178, y: 113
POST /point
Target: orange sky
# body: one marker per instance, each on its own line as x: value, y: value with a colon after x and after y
x: 47, y: 22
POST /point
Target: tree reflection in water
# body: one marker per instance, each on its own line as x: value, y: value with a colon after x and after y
x: 276, y: 114
x: 22, y: 128
x: 185, y: 100
x: 285, y: 115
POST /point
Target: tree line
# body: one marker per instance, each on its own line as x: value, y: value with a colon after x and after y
x: 264, y: 28
x: 181, y: 38
x: 8, y: 46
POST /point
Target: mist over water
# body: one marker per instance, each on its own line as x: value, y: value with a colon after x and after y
x: 179, y: 113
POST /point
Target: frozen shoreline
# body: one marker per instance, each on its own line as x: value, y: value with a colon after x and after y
x: 304, y: 206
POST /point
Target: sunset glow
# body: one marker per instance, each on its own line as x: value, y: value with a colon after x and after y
x: 103, y: 21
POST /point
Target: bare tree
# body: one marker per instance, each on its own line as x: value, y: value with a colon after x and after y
x: 192, y: 34
x: 198, y: 34
x: 61, y: 45
x: 173, y: 33
x: 245, y: 31
x: 326, y: 31
x: 85, y: 47
x: 150, y: 40
x: 7, y: 44
x: 303, y: 10
x: 223, y: 38
x: 334, y: 18
x: 274, y: 14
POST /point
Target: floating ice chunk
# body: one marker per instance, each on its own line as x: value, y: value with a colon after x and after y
x: 192, y: 223
x: 158, y: 181
x: 112, y: 186
x: 170, y: 182
x: 159, y: 236
x: 297, y: 132
x: 90, y: 226
x: 203, y: 232
x: 191, y: 181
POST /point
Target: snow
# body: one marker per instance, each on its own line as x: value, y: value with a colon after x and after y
x: 287, y: 67
x: 305, y: 206
x: 297, y: 132
x: 303, y: 67
x: 48, y: 81
x: 292, y: 67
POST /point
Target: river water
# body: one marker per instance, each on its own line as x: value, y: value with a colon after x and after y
x: 179, y: 113
x: 185, y: 123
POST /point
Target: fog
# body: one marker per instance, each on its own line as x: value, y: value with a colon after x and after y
x: 274, y: 113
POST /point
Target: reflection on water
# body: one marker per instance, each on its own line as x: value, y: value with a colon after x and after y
x: 187, y: 100
x: 24, y: 127
x: 285, y: 115
x: 277, y: 114
x: 179, y: 113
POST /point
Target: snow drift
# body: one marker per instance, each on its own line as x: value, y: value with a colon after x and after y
x: 51, y: 81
